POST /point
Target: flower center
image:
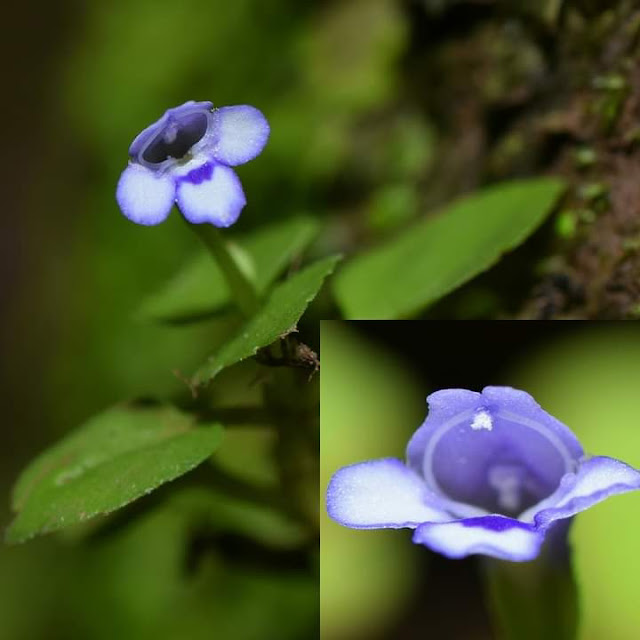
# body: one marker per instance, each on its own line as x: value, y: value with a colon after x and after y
x: 495, y: 462
x: 176, y: 138
x: 514, y: 489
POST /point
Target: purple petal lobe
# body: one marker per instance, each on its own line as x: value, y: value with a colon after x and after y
x: 514, y: 401
x: 176, y: 138
x: 211, y: 193
x: 143, y: 196
x: 380, y: 494
x: 495, y: 536
x: 240, y: 133
x: 177, y: 114
x: 444, y: 406
x: 597, y: 478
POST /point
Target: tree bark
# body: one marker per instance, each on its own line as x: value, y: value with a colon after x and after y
x: 529, y: 88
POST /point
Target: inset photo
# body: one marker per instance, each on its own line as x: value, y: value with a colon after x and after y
x: 479, y: 480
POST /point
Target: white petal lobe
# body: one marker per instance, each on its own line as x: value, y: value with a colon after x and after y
x: 380, y: 494
x: 460, y: 539
x: 241, y: 133
x: 217, y: 200
x: 144, y: 197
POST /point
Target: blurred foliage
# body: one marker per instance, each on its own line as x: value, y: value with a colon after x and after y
x: 137, y: 584
x: 370, y: 406
x: 199, y: 288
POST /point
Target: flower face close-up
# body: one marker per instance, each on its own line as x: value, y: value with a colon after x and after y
x: 486, y: 473
x: 186, y: 157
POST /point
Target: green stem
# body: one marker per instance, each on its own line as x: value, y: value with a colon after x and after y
x: 537, y: 599
x: 241, y: 286
x: 237, y: 416
x: 236, y: 487
x: 293, y: 402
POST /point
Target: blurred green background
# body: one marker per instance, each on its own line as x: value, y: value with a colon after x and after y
x: 375, y: 377
x: 351, y: 144
x: 84, y: 79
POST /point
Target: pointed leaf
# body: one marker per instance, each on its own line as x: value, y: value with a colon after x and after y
x: 278, y: 316
x: 442, y: 252
x: 114, y: 458
x: 199, y: 288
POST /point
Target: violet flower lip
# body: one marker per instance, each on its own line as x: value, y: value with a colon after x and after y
x: 487, y: 473
x: 186, y: 157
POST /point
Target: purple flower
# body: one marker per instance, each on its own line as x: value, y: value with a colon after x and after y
x: 486, y: 473
x: 185, y: 157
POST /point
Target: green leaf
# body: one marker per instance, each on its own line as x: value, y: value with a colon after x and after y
x: 199, y: 288
x: 278, y: 317
x: 114, y: 458
x: 442, y: 252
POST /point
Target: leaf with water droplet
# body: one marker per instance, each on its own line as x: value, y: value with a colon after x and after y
x: 111, y: 460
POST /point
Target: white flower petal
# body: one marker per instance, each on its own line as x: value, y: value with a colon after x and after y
x: 380, y: 494
x: 494, y: 535
x: 597, y: 478
x: 212, y: 193
x: 240, y: 133
x: 143, y: 196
